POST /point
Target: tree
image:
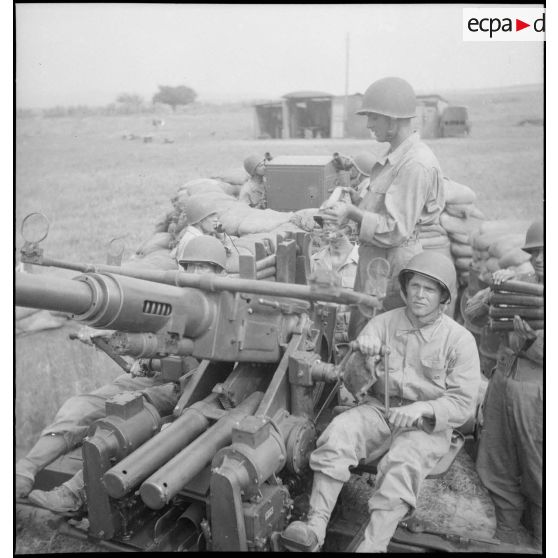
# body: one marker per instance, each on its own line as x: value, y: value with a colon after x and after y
x: 130, y: 99
x: 175, y: 96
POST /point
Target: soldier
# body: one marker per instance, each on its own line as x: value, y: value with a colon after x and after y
x: 201, y: 220
x: 434, y: 375
x: 72, y: 421
x: 509, y: 460
x: 405, y: 192
x: 360, y: 176
x: 252, y: 191
x: 341, y: 256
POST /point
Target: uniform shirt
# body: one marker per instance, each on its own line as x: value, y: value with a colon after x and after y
x: 252, y: 192
x: 438, y: 363
x: 347, y: 270
x: 406, y: 190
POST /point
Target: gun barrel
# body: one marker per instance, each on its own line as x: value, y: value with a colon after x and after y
x: 161, y: 487
x: 136, y: 467
x: 49, y: 292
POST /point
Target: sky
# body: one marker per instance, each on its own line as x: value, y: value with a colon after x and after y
x: 69, y: 54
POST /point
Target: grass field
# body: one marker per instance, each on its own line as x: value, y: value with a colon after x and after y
x: 95, y: 186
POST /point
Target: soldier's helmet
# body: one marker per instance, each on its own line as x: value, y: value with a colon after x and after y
x: 203, y: 249
x: 364, y: 162
x: 254, y: 164
x: 534, y: 238
x: 196, y: 210
x: 433, y: 265
x: 390, y: 96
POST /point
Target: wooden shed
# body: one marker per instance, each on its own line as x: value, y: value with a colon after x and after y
x: 310, y: 114
x: 429, y: 113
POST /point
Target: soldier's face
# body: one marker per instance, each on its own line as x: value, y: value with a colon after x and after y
x: 537, y: 261
x: 424, y: 297
x: 380, y: 126
x: 209, y: 224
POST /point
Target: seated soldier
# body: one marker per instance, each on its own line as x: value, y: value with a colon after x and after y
x: 434, y: 376
x: 203, y: 254
x: 509, y: 459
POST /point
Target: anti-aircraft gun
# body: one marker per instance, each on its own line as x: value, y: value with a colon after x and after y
x: 225, y: 472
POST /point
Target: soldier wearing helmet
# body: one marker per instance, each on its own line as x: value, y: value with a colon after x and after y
x: 202, y: 220
x: 404, y: 194
x: 509, y: 459
x: 252, y: 191
x: 434, y: 376
x: 203, y: 254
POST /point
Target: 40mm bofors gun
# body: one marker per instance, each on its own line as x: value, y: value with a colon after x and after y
x: 225, y: 471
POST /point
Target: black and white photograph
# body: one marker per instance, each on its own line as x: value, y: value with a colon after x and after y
x: 279, y: 277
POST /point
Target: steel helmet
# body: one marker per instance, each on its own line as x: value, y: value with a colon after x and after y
x: 535, y: 236
x: 196, y: 210
x: 433, y: 265
x: 204, y: 249
x: 364, y: 162
x: 251, y: 163
x: 390, y: 96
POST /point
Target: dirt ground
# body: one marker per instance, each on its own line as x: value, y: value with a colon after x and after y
x: 94, y: 186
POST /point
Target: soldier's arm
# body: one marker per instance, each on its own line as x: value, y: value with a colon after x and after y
x: 404, y: 201
x: 457, y: 404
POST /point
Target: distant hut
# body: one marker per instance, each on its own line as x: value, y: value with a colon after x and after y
x: 429, y: 113
x: 310, y: 114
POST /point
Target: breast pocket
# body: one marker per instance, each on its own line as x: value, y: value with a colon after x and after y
x: 434, y: 369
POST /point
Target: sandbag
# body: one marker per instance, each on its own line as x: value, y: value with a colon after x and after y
x: 434, y: 242
x: 460, y: 238
x: 492, y: 264
x: 485, y: 240
x: 454, y: 192
x: 503, y: 245
x: 201, y: 185
x: 263, y: 221
x: 233, y: 216
x: 464, y: 210
x: 453, y: 224
x: 462, y: 264
x: 461, y: 250
x: 158, y: 241
x: 480, y: 255
x: 513, y: 258
x: 512, y: 226
x: 433, y: 227
x: 236, y: 177
x: 231, y: 189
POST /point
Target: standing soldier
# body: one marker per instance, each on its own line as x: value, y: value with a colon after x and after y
x: 405, y: 192
x: 509, y: 460
x: 252, y: 191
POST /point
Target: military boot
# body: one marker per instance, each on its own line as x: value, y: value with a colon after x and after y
x: 45, y: 451
x: 308, y: 536
x: 381, y: 527
x: 60, y: 500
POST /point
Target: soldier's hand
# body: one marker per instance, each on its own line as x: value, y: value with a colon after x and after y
x: 523, y: 329
x: 406, y: 416
x: 369, y: 346
x: 338, y: 212
x: 498, y: 277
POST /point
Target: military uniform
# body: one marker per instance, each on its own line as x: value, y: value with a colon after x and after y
x: 253, y: 193
x: 405, y: 192
x: 437, y: 363
x: 509, y: 460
